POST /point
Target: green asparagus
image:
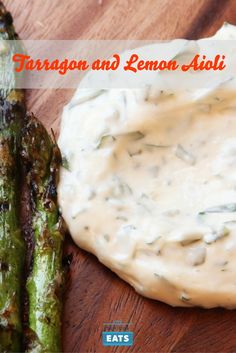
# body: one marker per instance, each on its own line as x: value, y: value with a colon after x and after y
x: 9, y: 44
x: 12, y: 246
x: 42, y: 159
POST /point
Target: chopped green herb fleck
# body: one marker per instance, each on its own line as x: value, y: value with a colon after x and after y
x: 106, y: 139
x: 106, y: 237
x: 187, y: 157
x: 133, y: 135
x: 232, y: 222
x: 164, y: 280
x: 122, y: 218
x: 65, y: 163
x: 189, y: 241
x: 136, y: 153
x: 151, y: 242
x: 226, y: 208
x: 85, y: 98
x: 214, y: 236
x: 185, y: 297
x: 150, y: 145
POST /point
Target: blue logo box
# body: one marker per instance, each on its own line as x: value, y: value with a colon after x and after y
x: 117, y: 338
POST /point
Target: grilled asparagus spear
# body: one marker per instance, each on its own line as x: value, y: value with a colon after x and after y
x: 12, y: 247
x: 42, y: 159
x: 9, y: 44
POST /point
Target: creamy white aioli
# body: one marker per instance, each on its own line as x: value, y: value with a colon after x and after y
x: 149, y: 187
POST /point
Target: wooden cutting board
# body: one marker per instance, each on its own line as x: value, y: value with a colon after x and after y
x: 94, y: 295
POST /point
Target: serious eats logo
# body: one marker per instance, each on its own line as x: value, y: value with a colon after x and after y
x: 117, y: 334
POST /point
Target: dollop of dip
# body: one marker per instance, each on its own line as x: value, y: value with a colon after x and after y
x: 148, y: 185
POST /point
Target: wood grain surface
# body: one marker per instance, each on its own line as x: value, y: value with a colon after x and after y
x: 94, y: 295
